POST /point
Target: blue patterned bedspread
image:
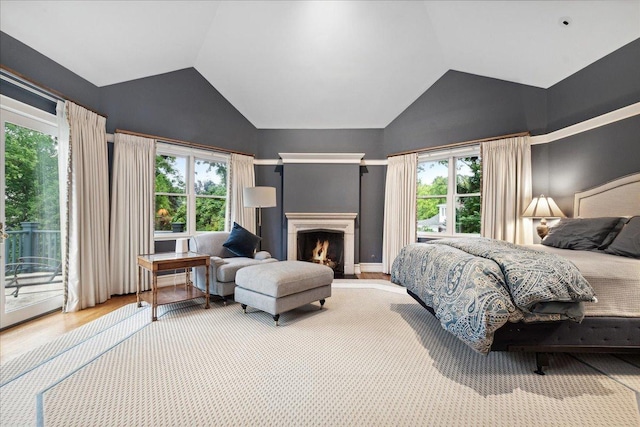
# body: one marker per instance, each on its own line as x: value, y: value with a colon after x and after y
x: 476, y: 285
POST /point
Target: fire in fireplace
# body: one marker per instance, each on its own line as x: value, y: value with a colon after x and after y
x: 324, y: 247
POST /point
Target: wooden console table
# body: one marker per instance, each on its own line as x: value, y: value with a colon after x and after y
x: 168, y: 294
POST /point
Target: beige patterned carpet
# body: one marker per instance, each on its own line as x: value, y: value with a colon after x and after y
x: 371, y: 357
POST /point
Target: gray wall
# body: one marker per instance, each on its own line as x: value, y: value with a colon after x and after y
x: 612, y: 82
x: 461, y: 107
x: 181, y: 105
x: 365, y: 197
x: 324, y: 188
x: 591, y: 158
x: 274, y: 141
x: 321, y: 187
x: 23, y: 59
x: 580, y: 162
x: 372, y: 181
x: 273, y: 222
x: 458, y: 107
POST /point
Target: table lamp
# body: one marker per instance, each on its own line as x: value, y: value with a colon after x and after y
x: 543, y: 207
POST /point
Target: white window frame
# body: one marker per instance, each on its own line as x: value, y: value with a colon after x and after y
x: 191, y: 154
x: 450, y: 155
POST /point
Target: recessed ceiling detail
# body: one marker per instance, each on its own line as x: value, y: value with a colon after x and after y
x: 323, y: 64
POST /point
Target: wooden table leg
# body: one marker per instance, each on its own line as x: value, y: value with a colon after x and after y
x: 154, y: 299
x: 138, y: 286
x: 206, y: 286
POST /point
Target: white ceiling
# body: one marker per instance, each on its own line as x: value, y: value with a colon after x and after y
x: 323, y: 64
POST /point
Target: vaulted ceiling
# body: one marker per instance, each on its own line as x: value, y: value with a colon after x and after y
x: 323, y: 64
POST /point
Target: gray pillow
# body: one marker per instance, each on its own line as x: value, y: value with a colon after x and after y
x: 613, y: 233
x: 627, y: 242
x: 580, y: 233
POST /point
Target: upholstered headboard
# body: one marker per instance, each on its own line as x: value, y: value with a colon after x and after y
x: 620, y: 197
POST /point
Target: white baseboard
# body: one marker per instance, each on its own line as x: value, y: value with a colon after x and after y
x: 370, y: 267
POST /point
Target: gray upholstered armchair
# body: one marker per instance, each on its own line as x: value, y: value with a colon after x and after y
x: 224, y: 264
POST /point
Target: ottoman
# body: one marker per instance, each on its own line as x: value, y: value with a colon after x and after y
x: 282, y: 286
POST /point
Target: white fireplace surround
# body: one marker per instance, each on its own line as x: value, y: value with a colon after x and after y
x: 343, y: 222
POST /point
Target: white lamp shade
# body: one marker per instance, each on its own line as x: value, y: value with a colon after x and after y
x: 543, y: 207
x: 259, y: 197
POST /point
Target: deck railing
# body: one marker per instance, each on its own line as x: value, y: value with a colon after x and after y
x: 31, y: 242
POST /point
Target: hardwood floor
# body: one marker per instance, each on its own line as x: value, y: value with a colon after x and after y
x: 21, y: 338
x: 374, y: 276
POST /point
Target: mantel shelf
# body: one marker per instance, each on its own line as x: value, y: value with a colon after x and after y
x: 351, y: 158
x: 321, y: 215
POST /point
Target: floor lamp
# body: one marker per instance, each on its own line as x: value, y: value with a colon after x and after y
x: 259, y: 197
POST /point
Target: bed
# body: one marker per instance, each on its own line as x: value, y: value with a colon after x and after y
x: 481, y: 296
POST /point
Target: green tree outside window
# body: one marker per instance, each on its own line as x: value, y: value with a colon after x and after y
x: 31, y: 178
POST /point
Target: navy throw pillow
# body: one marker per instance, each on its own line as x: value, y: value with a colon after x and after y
x: 241, y: 242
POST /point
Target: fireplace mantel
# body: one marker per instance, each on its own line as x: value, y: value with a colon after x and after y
x: 335, y: 221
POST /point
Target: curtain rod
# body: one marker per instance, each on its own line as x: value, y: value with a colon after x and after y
x: 460, y: 144
x: 46, y: 92
x: 181, y: 142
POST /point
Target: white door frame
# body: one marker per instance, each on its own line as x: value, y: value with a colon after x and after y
x: 21, y: 114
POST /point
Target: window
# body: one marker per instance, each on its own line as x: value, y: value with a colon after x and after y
x: 191, y: 191
x: 448, y: 198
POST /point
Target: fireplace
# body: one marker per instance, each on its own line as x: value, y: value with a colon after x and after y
x: 324, y: 247
x: 329, y: 225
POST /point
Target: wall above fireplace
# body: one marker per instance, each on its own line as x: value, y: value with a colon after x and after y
x: 322, y: 183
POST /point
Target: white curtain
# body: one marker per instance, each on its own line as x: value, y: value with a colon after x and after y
x: 242, y: 175
x: 506, y: 189
x: 132, y: 209
x: 64, y: 180
x: 87, y: 200
x: 399, y: 207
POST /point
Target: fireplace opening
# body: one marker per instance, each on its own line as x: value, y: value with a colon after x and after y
x: 324, y: 247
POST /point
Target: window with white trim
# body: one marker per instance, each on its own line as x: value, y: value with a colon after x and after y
x: 448, y: 194
x: 190, y: 192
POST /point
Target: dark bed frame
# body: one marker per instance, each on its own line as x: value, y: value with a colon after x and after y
x: 594, y: 334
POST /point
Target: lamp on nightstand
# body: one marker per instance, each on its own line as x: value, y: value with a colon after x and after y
x: 543, y: 207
